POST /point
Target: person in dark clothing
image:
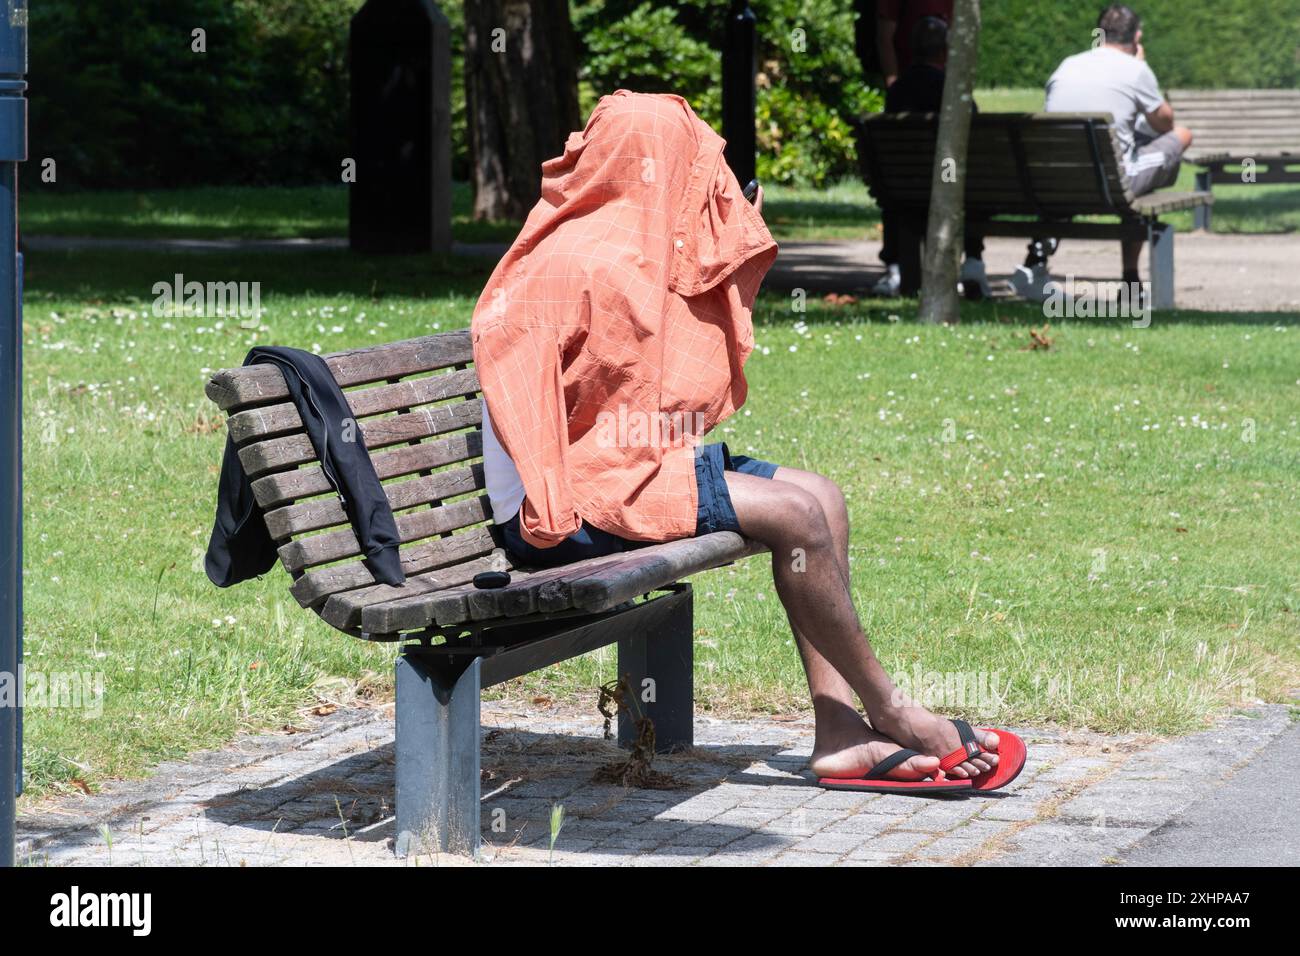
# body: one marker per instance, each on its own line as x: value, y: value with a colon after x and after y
x: 919, y: 89
x: 896, y: 22
x: 241, y: 547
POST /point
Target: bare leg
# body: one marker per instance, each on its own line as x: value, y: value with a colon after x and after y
x: 845, y: 746
x: 810, y: 568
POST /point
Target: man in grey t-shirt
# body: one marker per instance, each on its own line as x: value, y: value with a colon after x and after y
x: 1114, y: 78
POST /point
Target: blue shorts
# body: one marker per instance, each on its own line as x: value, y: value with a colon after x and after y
x: 715, y: 513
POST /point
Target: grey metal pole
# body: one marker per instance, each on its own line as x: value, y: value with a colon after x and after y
x: 13, y: 150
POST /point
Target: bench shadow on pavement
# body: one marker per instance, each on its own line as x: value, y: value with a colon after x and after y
x: 523, y: 775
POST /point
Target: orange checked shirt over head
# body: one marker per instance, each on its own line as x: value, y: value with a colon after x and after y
x: 613, y: 333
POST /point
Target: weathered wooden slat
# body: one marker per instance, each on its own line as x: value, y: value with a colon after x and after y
x: 1248, y: 129
x: 1281, y: 158
x: 1263, y: 130
x: 320, y: 513
x: 1279, y: 113
x: 1162, y: 202
x: 1227, y: 152
x: 593, y: 585
x: 1255, y: 151
x: 1286, y: 140
x: 275, y: 454
x: 1235, y: 100
x: 528, y: 592
x: 650, y: 568
x: 413, y: 526
x: 543, y: 592
x: 283, y: 418
x: 1245, y: 99
x: 264, y: 384
x: 344, y: 610
x: 314, y: 587
x: 284, y: 486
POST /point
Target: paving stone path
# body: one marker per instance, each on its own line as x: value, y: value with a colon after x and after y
x: 740, y: 797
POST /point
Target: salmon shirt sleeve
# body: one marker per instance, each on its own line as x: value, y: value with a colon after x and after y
x: 614, y: 332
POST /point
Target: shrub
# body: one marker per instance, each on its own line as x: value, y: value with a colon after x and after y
x: 1232, y: 43
x: 809, y: 84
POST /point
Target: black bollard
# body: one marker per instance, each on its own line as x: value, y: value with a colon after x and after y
x: 738, y: 97
x: 400, y: 201
x: 13, y: 150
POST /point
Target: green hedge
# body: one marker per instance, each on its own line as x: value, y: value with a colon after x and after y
x: 1225, y: 44
x: 119, y: 98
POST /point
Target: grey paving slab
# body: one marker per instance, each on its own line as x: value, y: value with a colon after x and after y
x: 1249, y: 821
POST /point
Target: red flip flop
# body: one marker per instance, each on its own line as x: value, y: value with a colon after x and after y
x: 1011, y: 754
x: 873, y: 781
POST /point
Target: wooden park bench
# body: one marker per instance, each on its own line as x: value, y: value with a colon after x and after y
x: 1045, y: 169
x: 1258, y: 128
x: 417, y: 410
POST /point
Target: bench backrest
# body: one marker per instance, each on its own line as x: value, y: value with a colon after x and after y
x: 418, y: 412
x: 1039, y: 164
x: 1239, y: 123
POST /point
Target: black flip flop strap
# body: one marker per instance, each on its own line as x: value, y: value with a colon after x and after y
x: 969, y: 740
x: 889, y: 763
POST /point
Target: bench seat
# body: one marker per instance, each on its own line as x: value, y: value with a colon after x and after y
x: 594, y: 585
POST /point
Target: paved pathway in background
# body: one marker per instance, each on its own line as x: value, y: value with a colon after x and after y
x: 1234, y: 273
x: 325, y: 796
x: 1212, y: 271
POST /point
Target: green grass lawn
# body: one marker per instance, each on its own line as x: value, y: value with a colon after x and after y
x: 1106, y: 529
x: 842, y: 211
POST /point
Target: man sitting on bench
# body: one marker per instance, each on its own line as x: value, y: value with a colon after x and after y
x: 1114, y: 78
x: 609, y: 339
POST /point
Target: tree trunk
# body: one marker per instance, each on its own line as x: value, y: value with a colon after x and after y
x: 944, y: 232
x: 521, y: 94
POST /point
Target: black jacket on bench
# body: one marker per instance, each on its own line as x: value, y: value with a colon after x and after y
x: 241, y: 547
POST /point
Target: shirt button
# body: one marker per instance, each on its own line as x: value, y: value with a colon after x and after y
x: 680, y: 243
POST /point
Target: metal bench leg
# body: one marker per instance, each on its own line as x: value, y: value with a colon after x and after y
x: 437, y: 755
x: 1160, y: 245
x: 1201, y: 215
x: 658, y: 664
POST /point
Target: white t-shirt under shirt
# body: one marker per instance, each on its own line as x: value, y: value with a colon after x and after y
x: 504, y: 486
x: 1106, y: 80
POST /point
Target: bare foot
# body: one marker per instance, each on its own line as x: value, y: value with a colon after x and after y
x: 911, y: 725
x: 851, y: 748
